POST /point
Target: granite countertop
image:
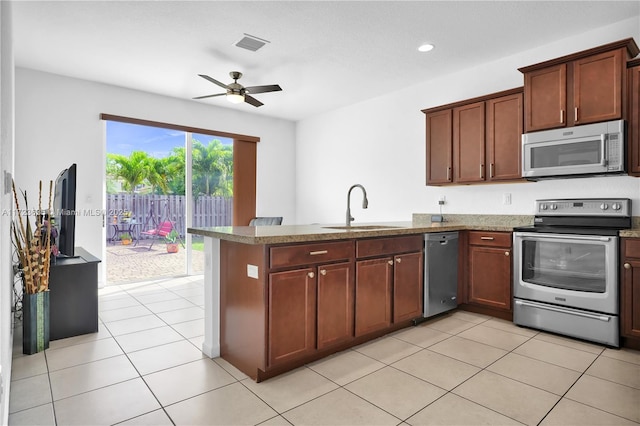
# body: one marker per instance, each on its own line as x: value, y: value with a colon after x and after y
x: 420, y: 224
x: 634, y: 232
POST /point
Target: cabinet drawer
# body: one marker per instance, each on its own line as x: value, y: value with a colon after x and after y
x: 491, y: 239
x: 309, y: 254
x: 388, y: 246
x: 632, y: 247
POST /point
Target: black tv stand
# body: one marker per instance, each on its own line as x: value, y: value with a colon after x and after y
x: 73, y: 295
x: 64, y: 256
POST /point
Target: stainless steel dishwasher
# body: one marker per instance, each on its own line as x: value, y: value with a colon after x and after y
x: 440, y: 272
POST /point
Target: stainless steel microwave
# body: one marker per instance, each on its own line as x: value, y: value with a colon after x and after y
x: 591, y: 149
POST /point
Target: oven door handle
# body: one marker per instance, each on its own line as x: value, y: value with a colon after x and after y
x: 563, y: 311
x: 541, y: 236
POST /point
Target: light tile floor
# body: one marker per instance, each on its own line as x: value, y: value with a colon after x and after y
x: 144, y: 366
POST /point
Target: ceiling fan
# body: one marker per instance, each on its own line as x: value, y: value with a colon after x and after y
x: 236, y: 93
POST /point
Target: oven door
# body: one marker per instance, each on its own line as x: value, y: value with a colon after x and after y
x: 578, y: 271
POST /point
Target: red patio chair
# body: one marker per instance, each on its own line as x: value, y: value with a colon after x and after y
x: 163, y: 229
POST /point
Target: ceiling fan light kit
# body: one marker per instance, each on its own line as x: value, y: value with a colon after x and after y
x: 236, y: 93
x: 235, y: 98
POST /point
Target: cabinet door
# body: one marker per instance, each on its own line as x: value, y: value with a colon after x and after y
x: 439, y: 161
x: 407, y: 287
x: 597, y: 87
x: 292, y: 315
x: 490, y: 276
x: 373, y: 295
x: 335, y: 304
x: 630, y: 287
x: 634, y: 121
x: 545, y: 96
x: 469, y: 143
x: 504, y: 136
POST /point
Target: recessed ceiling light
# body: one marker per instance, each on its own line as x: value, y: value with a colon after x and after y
x: 425, y: 47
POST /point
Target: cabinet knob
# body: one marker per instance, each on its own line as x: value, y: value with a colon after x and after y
x: 390, y: 262
x: 323, y: 272
x: 627, y: 266
x: 311, y: 274
x: 506, y: 253
x: 399, y: 259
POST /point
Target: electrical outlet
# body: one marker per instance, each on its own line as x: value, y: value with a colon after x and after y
x: 442, y: 201
x: 506, y: 198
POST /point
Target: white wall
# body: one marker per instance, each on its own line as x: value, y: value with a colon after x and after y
x: 6, y: 202
x: 380, y: 143
x: 57, y: 124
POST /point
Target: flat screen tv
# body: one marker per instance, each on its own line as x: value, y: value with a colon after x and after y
x: 64, y: 208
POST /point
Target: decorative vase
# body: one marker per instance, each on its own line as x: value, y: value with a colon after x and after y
x: 172, y: 247
x: 35, y: 322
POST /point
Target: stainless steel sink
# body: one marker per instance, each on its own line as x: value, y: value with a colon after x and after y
x: 361, y: 227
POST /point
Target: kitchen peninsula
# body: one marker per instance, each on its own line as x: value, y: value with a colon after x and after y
x: 277, y: 297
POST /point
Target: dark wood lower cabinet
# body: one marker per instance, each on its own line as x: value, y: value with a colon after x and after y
x: 292, y: 315
x: 373, y: 295
x: 489, y: 273
x: 630, y: 292
x: 335, y: 304
x: 282, y: 306
x: 407, y: 286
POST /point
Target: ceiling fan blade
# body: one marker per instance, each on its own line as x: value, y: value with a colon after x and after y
x: 263, y: 89
x: 213, y: 80
x: 209, y: 96
x: 253, y: 101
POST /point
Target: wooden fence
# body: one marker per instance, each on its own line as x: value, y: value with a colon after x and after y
x: 152, y: 209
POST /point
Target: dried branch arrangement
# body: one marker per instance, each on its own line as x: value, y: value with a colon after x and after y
x: 33, y: 247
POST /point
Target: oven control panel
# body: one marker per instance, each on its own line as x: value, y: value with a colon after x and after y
x: 617, y: 207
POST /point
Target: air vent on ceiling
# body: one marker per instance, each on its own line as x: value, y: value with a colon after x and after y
x: 252, y: 43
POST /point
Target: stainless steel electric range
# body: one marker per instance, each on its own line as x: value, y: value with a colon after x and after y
x: 566, y: 277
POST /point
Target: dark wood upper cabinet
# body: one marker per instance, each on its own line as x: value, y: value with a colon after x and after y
x: 439, y: 149
x: 468, y: 143
x: 633, y: 128
x: 581, y: 88
x: 482, y: 135
x: 504, y: 133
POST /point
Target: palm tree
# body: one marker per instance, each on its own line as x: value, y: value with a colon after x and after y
x: 132, y: 170
x: 213, y: 167
x: 157, y: 175
x: 175, y: 169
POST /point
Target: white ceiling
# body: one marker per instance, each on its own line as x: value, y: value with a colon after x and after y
x: 324, y: 54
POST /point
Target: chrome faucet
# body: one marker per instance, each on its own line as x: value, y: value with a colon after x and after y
x: 365, y: 202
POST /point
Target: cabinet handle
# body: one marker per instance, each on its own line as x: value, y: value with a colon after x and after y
x: 575, y: 114
x: 315, y: 253
x: 562, y: 116
x: 398, y: 259
x: 481, y: 171
x: 506, y: 253
x: 490, y: 170
x: 448, y: 173
x: 323, y: 272
x: 311, y: 274
x: 390, y: 262
x: 487, y: 238
x: 627, y: 266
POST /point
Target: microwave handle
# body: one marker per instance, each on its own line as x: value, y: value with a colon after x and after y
x: 603, y: 159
